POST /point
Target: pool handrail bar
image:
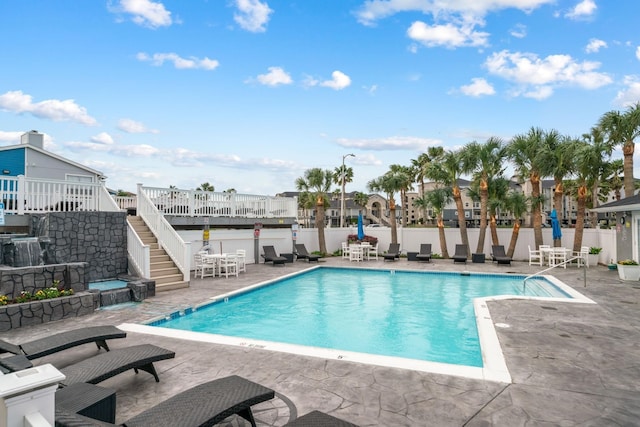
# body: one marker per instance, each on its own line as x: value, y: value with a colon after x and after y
x: 524, y: 281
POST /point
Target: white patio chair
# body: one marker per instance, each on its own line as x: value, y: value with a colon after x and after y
x: 345, y: 250
x: 535, y: 257
x: 583, y: 258
x: 558, y: 256
x: 372, y: 252
x: 355, y: 253
x: 228, y: 265
x: 241, y: 256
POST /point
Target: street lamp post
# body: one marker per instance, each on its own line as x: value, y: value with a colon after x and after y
x: 342, y: 198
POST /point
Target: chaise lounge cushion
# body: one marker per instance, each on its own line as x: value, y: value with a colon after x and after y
x: 64, y: 340
x: 106, y: 365
x: 203, y: 405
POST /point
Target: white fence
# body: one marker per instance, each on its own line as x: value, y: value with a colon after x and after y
x: 22, y: 195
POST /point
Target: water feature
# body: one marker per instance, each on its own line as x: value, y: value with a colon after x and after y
x: 24, y: 251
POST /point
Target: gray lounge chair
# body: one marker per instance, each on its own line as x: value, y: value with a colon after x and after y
x: 425, y: 252
x: 319, y: 419
x: 270, y: 255
x: 461, y: 254
x: 499, y: 256
x: 203, y: 405
x: 302, y: 253
x: 64, y: 340
x: 393, y: 252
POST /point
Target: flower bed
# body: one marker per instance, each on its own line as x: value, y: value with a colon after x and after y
x: 42, y: 294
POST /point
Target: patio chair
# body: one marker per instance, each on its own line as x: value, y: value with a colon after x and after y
x: 319, y: 419
x: 241, y: 256
x: 499, y: 256
x: 393, y: 252
x: 345, y: 250
x: 64, y: 340
x: 372, y: 252
x: 302, y: 253
x: 202, y: 405
x: 270, y: 255
x: 425, y: 252
x: 535, y: 257
x: 461, y: 254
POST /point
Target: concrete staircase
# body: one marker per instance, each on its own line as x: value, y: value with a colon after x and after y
x: 163, y: 270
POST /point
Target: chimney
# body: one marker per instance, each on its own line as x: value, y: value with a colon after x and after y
x: 33, y: 138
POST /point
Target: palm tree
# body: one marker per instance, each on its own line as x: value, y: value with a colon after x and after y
x: 317, y: 182
x: 598, y: 191
x: 419, y: 166
x: 498, y: 189
x: 531, y: 158
x: 390, y: 183
x: 307, y: 202
x: 622, y: 129
x: 361, y: 199
x: 205, y: 186
x: 447, y: 172
x: 486, y: 162
x: 588, y: 159
x: 561, y: 162
x: 516, y: 203
x: 405, y: 175
x: 438, y: 198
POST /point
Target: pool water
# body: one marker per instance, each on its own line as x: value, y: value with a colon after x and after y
x: 415, y: 315
x: 107, y: 285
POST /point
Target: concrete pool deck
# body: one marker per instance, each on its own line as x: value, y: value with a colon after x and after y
x: 570, y: 364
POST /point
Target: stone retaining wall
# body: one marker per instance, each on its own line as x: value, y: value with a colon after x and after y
x: 36, y: 312
x: 14, y: 280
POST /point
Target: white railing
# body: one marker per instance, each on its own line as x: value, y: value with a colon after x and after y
x: 125, y: 202
x: 22, y: 195
x: 209, y: 203
x: 139, y: 254
x: 168, y: 238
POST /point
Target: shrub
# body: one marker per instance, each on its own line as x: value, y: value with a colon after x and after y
x: 353, y: 238
x: 42, y: 294
x: 594, y: 250
x: 627, y: 262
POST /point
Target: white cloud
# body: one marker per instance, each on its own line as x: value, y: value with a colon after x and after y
x: 97, y: 144
x: 131, y: 126
x: 638, y: 53
x: 192, y: 62
x: 519, y: 31
x: 448, y: 35
x: 530, y: 71
x: 275, y: 77
x: 339, y: 81
x: 253, y: 15
x: 630, y: 94
x: 53, y: 109
x: 145, y: 12
x: 582, y: 10
x: 390, y: 143
x: 373, y: 10
x: 478, y: 87
x: 595, y: 45
x: 102, y: 138
x: 12, y: 137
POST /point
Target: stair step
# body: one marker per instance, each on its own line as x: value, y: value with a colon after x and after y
x: 167, y: 279
x: 171, y: 286
x: 157, y: 265
x: 162, y: 272
x: 159, y: 258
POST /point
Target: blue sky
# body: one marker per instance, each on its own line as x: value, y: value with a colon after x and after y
x: 248, y: 94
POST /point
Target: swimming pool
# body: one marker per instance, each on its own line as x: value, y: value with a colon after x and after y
x: 395, y: 318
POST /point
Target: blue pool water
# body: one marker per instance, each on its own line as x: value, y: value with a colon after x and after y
x: 415, y: 315
x: 108, y: 285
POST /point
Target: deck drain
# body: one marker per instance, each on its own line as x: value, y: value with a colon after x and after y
x: 547, y: 308
x: 565, y: 335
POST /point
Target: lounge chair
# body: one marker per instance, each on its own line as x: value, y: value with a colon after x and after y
x: 64, y: 340
x: 425, y: 252
x: 270, y: 255
x: 461, y: 254
x: 302, y: 253
x: 203, y: 405
x: 393, y: 252
x: 319, y: 419
x: 499, y: 256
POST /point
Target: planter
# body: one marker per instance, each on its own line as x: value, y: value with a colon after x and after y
x: 629, y: 272
x: 592, y: 259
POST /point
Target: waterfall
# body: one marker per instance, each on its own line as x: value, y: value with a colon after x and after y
x: 26, y: 252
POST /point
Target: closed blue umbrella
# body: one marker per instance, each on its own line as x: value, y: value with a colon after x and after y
x: 360, y: 228
x: 555, y: 226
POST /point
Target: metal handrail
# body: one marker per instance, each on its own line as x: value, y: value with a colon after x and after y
x: 524, y: 282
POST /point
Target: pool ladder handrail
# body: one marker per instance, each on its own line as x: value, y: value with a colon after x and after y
x: 524, y: 282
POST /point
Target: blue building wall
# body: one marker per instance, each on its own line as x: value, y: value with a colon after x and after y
x: 12, y: 161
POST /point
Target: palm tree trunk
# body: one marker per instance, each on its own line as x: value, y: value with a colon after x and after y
x: 514, y: 238
x: 535, y: 210
x: 627, y: 150
x: 392, y: 213
x: 424, y: 208
x: 320, y: 224
x: 484, y: 197
x: 493, y: 226
x: 582, y: 196
x: 462, y: 223
x: 443, y: 237
x: 557, y: 205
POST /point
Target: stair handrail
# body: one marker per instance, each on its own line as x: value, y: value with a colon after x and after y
x: 168, y: 238
x: 524, y: 281
x: 139, y: 254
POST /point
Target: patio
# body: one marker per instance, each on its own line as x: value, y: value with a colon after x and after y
x: 571, y: 364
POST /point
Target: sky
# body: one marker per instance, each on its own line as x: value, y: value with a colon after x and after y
x: 250, y: 94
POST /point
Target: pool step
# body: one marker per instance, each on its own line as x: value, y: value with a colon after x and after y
x: 163, y: 270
